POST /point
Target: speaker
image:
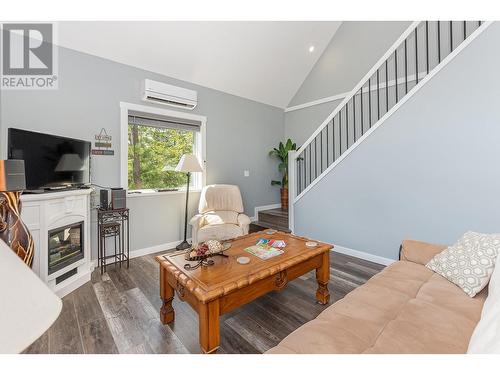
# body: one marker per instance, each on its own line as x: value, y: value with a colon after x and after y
x: 104, y: 199
x: 118, y: 198
x: 12, y: 177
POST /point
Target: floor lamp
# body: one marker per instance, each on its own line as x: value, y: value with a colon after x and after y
x: 12, y: 229
x: 188, y: 164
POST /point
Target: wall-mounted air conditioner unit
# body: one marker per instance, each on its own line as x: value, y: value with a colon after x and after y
x: 163, y: 93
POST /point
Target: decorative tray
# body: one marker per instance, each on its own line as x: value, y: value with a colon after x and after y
x: 210, y: 248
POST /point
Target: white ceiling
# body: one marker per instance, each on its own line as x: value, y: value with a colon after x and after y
x: 262, y: 61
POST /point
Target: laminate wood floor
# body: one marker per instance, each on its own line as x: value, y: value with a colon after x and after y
x: 118, y: 312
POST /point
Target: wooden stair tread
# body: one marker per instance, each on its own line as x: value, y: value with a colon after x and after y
x: 274, y: 218
x: 264, y: 225
x: 275, y: 212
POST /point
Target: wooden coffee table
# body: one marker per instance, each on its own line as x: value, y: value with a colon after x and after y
x: 215, y: 290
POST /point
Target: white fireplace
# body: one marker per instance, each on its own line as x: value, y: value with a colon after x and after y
x: 60, y: 225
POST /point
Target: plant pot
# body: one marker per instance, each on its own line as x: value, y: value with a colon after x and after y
x: 284, y: 199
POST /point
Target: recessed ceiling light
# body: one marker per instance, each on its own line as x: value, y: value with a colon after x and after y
x: 311, y: 49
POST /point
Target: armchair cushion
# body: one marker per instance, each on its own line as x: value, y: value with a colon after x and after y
x: 219, y: 232
x: 220, y: 198
x: 219, y: 217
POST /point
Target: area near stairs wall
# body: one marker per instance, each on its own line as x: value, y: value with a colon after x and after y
x: 354, y: 49
x: 430, y: 172
x: 240, y: 133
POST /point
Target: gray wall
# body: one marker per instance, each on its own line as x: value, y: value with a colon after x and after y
x: 353, y: 50
x: 240, y: 133
x: 301, y: 124
x: 429, y: 172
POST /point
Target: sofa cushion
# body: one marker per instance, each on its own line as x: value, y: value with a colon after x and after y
x: 419, y: 252
x: 399, y: 310
x: 424, y: 327
x: 470, y: 262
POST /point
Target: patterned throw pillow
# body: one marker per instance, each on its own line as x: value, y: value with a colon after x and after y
x: 470, y: 262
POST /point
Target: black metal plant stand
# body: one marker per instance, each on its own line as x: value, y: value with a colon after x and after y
x: 113, y: 224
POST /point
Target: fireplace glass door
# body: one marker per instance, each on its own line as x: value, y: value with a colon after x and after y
x: 65, y: 246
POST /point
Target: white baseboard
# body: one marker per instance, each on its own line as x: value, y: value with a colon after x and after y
x: 263, y: 208
x: 146, y: 251
x: 363, y: 255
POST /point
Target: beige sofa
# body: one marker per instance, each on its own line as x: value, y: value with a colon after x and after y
x: 406, y: 308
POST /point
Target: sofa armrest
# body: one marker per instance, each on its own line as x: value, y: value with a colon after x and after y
x: 244, y: 222
x: 195, y: 220
x: 418, y: 251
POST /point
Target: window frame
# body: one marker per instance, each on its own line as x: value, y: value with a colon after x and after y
x: 199, y: 180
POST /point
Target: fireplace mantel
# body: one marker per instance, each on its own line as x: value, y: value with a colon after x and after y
x: 45, y: 212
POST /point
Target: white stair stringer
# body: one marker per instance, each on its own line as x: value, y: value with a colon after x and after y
x: 293, y: 155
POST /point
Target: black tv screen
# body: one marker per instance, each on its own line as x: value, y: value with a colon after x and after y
x: 50, y: 161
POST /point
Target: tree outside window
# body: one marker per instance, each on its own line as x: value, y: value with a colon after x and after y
x: 153, y: 153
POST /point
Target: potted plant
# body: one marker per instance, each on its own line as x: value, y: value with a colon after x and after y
x: 282, y: 154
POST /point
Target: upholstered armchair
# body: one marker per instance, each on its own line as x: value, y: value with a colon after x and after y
x: 220, y: 215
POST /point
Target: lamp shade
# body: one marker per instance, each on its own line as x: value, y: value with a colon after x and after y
x: 12, y: 177
x: 189, y: 163
x: 28, y: 306
x: 69, y: 163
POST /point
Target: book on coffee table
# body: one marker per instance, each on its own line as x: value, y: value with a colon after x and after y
x: 264, y: 252
x: 278, y: 244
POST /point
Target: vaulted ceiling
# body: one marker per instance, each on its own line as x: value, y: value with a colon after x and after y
x: 263, y: 61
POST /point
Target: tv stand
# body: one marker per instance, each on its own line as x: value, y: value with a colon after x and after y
x: 38, y: 191
x: 44, y: 213
x: 55, y: 190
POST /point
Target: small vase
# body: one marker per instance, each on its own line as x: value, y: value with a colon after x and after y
x: 284, y: 199
x: 12, y: 229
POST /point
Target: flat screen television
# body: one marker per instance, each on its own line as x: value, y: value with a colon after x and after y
x: 51, y: 162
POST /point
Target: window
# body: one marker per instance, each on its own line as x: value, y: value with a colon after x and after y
x: 155, y: 146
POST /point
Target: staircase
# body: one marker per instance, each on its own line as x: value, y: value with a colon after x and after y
x: 274, y: 219
x: 420, y: 52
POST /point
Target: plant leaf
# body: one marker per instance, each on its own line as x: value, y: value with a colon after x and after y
x: 281, y: 152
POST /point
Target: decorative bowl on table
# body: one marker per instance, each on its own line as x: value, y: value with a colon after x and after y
x: 204, y: 251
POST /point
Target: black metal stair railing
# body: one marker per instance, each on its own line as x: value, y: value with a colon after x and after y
x: 425, y: 45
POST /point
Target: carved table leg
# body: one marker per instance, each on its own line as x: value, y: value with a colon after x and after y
x: 167, y: 314
x: 322, y: 277
x: 209, y: 326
